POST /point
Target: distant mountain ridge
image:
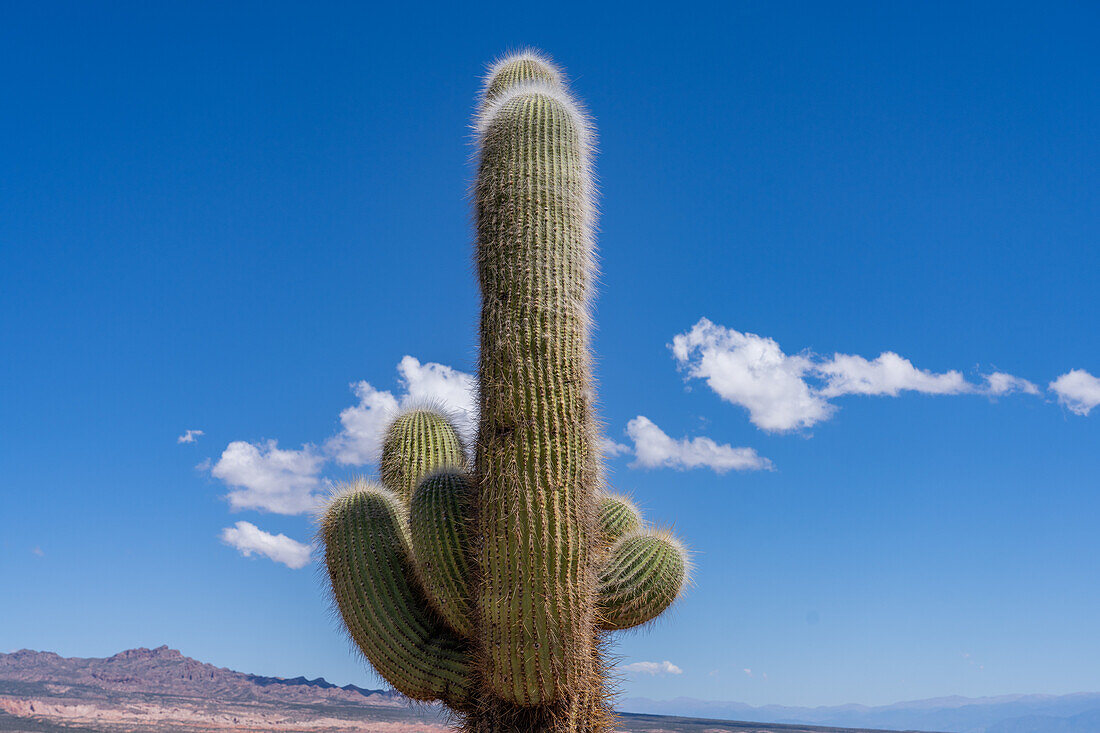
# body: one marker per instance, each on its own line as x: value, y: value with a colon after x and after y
x: 1024, y: 713
x: 167, y: 671
x: 162, y: 691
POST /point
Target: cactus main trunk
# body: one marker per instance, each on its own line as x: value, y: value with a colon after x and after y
x: 536, y: 464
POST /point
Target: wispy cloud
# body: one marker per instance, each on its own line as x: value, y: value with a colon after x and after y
x: 999, y: 383
x: 189, y: 436
x: 651, y: 668
x: 250, y: 539
x: 653, y: 448
x: 784, y: 392
x: 611, y: 449
x: 1077, y: 390
x: 37, y: 551
x: 971, y: 662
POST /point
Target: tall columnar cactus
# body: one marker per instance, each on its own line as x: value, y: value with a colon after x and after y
x: 492, y: 588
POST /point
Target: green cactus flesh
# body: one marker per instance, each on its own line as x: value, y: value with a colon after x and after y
x: 641, y: 577
x: 617, y: 516
x: 370, y: 568
x: 522, y: 67
x: 417, y: 443
x: 492, y: 591
x: 439, y: 519
x: 536, y: 455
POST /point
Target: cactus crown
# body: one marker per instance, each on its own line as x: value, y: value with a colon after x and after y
x: 515, y: 68
x: 492, y: 588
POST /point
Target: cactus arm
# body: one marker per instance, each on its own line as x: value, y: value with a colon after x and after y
x: 642, y: 575
x: 617, y: 516
x: 371, y: 574
x: 439, y: 524
x: 537, y: 456
x: 418, y: 442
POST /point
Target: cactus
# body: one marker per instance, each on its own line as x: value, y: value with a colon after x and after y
x: 416, y: 442
x: 439, y: 518
x: 617, y: 516
x: 492, y: 588
x: 370, y: 566
x: 640, y: 578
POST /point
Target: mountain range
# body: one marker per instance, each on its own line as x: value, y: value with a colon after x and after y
x: 147, y: 690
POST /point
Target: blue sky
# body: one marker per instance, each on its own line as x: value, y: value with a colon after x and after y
x: 223, y: 217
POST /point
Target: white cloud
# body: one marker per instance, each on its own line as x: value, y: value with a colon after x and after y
x: 611, y: 449
x: 189, y: 436
x: 1077, y: 390
x: 249, y: 539
x: 889, y: 375
x: 360, y: 438
x: 437, y: 384
x: 753, y: 372
x: 652, y: 668
x: 999, y: 383
x: 785, y: 392
x: 359, y: 441
x: 653, y: 448
x: 264, y: 476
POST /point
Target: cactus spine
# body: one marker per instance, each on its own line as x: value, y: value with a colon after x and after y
x: 492, y: 590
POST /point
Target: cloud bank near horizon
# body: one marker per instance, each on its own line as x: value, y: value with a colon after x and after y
x: 651, y: 668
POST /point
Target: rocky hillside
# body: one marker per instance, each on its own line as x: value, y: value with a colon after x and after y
x: 160, y: 690
x: 167, y: 672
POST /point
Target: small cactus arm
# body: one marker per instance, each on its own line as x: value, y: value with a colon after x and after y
x: 439, y: 517
x: 618, y: 516
x: 493, y: 590
x: 370, y: 567
x: 416, y: 443
x: 640, y: 578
